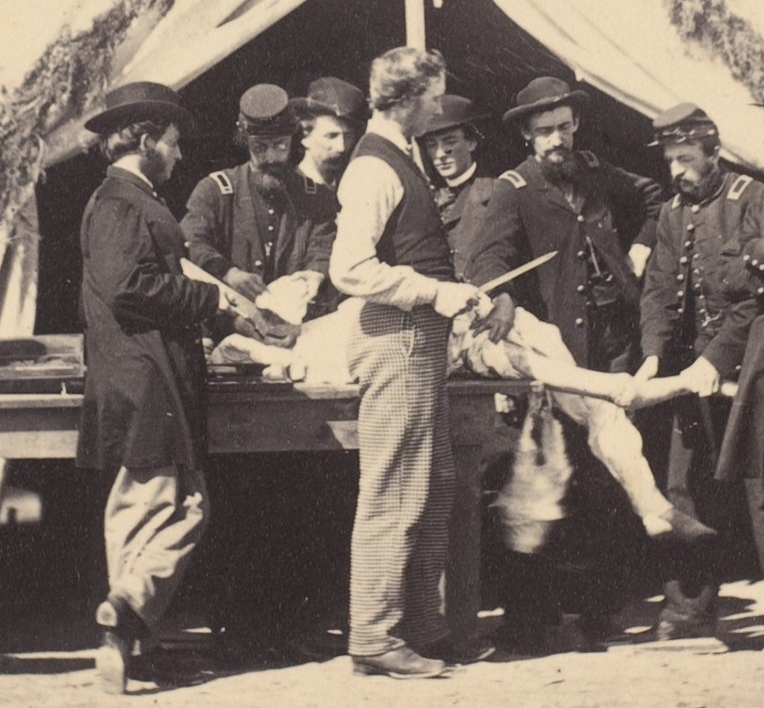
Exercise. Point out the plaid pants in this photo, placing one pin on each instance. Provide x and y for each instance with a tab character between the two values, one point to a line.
400	536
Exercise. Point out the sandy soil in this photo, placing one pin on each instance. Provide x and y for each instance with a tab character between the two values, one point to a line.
702	673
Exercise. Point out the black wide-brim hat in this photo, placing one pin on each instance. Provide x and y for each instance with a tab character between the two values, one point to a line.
544	94
139	101
457	111
330	96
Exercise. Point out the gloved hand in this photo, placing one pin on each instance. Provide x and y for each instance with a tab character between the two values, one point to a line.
453	298
499	320
250	285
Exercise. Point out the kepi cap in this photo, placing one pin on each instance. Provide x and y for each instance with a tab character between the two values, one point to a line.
265	110
682	123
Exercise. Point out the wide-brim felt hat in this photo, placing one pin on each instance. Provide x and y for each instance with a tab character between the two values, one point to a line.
457	110
140	101
265	110
544	94
330	96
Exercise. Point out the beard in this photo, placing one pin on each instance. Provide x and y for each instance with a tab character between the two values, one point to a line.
155	167
568	169
269	178
705	187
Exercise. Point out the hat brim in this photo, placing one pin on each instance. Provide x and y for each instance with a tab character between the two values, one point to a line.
577	98
455	123
309	107
120	116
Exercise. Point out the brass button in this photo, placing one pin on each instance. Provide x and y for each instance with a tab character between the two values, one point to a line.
580	288
683	260
680	310
691	227
688	244
695	208
746	258
680	278
580	321
680	293
580	219
754	262
581	255
270	211
258	264
760	291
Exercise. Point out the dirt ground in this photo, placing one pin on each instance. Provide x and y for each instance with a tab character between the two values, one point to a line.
701	673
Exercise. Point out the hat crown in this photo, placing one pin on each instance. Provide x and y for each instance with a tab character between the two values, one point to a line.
263	102
138	92
683	122
682	113
329	93
544	88
455	111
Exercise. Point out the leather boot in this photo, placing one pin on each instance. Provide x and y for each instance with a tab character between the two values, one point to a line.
685	617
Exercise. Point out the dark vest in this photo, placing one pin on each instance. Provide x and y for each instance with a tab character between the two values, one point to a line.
414	233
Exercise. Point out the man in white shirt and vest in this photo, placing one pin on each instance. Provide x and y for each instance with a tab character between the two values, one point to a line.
391	251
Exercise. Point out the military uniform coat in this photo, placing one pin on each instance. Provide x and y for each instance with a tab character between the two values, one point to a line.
528	216
686	310
462	217
144	389
229	224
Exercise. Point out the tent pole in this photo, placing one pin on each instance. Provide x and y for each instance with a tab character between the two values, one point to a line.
415	23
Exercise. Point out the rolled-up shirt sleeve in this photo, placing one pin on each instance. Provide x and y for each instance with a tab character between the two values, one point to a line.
369	194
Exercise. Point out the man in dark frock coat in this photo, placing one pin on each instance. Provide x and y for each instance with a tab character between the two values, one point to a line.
143	415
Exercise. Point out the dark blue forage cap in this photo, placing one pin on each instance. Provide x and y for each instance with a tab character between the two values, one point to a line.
682	123
265	110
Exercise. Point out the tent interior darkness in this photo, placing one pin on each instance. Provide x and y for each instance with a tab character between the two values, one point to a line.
489	59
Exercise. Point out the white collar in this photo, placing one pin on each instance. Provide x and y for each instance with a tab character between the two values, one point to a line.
463	177
129	163
380	125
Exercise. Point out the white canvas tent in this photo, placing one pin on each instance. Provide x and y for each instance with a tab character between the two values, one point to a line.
58	59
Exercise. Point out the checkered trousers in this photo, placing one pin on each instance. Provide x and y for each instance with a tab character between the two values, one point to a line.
400	537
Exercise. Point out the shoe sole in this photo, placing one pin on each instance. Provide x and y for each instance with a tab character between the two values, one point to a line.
373	671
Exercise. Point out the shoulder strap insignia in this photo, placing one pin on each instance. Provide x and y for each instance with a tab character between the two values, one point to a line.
514	178
223	181
310	185
738	187
676	202
590	158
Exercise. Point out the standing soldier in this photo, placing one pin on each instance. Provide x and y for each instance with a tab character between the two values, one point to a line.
261	220
589	211
143	414
392	252
690	325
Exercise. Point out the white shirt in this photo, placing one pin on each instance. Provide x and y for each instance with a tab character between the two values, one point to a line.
369	192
